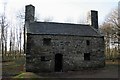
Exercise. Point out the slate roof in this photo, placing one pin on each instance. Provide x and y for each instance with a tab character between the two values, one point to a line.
62	29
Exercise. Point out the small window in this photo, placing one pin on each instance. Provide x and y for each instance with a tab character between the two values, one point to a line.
42	58
86	56
88	42
46	41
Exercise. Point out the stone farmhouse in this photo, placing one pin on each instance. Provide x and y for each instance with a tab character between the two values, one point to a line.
56	47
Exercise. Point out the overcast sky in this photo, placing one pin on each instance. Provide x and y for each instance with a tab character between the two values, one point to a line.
61	10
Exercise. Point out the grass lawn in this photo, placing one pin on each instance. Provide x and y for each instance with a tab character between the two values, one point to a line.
16	69
13	68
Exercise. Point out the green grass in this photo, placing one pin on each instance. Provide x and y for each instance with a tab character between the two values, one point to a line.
13	68
16	69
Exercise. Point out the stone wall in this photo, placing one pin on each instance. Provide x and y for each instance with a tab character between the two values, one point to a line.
71	47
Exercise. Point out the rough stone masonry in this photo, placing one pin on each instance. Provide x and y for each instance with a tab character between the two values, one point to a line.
56	47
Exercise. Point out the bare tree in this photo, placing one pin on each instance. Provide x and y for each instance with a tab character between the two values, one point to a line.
111	28
4	26
20	16
112	18
106	29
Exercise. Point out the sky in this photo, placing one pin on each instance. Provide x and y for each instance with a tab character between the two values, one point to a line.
74	11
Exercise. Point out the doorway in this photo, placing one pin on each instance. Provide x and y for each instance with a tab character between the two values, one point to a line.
58	62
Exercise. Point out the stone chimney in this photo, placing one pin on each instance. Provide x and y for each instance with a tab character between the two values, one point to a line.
29	13
29	18
94	19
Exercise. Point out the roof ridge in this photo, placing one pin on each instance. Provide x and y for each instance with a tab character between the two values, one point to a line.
63	23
